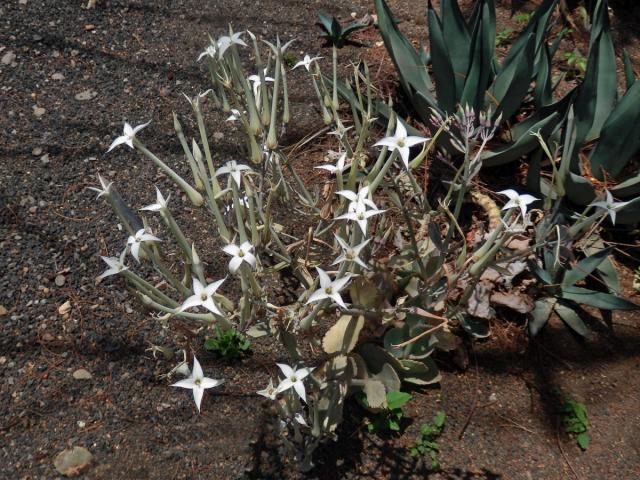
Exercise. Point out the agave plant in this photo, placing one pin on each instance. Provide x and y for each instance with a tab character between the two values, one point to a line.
600	134
465	52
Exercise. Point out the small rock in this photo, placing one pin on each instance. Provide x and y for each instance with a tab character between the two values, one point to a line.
45	158
22	2
86	95
82	374
38	111
3	311
64	308
89	26
71	462
47	337
36	151
57	76
218	135
8	58
59	280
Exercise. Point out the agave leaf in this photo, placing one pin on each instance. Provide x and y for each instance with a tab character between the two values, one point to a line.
584	268
540	314
628	188
482	55
569	316
619	139
605	301
579	190
606	269
512	83
442	67
458	42
542	92
523	145
597	94
326	22
630	214
629	76
538	27
413	75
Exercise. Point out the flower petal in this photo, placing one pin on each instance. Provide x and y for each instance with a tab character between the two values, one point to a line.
299	388
234	264
325	281
286	370
197	396
210	382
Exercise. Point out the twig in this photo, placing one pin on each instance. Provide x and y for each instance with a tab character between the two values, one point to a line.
516	424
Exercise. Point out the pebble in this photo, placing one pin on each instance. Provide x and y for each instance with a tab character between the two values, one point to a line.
36	151
82	374
72	462
85	95
38	111
3	311
59	280
57	76
8	58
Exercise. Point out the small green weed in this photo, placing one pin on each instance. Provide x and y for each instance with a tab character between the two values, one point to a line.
289	59
425	444
574	420
389	419
577	62
229	344
522	17
503	37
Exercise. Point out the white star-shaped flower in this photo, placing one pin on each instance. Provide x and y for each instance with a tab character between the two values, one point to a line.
234	169
197	382
240	254
357	199
609	205
360	214
128	135
306	62
225	42
293	378
269	392
210	51
517	200
329	289
256	82
401	142
195	101
116	265
134	242
106	187
350	254
338	167
160	202
203	296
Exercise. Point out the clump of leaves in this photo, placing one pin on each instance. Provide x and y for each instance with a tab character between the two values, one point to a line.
389	419
229	344
289	59
336	34
574	420
576	62
425	444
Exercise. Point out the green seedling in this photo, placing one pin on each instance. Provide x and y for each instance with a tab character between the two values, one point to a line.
503	37
522	17
574	420
389	419
425	444
577	62
229	344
